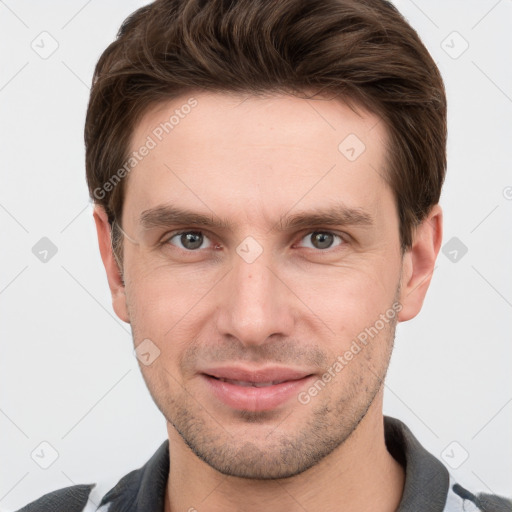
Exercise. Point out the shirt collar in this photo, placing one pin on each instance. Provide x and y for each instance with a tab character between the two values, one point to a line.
426	479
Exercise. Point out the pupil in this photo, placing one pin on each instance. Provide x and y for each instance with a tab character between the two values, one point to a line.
322	240
191	240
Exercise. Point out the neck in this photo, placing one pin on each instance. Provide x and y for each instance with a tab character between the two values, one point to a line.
359	475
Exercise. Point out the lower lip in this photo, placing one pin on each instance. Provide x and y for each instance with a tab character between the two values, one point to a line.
250	398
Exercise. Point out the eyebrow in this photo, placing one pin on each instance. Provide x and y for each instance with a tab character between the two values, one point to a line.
339	215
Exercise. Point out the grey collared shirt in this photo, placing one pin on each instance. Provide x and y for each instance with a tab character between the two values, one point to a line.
428	485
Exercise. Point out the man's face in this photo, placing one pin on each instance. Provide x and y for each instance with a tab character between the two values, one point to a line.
303	256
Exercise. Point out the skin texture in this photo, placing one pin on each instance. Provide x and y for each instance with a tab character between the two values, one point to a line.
253	161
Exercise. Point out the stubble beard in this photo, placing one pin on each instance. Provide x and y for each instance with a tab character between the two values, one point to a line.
278	452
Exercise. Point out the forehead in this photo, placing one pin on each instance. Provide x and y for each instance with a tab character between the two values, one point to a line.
259	153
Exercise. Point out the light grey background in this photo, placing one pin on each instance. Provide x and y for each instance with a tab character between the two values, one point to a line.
68	374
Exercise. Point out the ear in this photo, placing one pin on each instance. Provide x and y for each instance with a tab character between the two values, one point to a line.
115	280
418	263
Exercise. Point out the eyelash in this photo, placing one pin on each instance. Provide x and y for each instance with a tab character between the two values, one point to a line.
344	238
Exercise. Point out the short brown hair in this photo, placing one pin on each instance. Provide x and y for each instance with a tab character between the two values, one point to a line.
362	51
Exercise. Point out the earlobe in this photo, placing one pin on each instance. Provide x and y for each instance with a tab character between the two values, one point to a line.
419	262
114	276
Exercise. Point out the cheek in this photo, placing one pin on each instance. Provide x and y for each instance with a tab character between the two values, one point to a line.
346	298
168	291
168	307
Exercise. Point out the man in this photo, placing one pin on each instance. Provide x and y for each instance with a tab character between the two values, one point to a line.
266	178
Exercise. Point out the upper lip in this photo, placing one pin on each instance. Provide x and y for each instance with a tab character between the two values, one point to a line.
268	374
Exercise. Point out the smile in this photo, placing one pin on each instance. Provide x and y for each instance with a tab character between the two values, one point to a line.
253	384
254	389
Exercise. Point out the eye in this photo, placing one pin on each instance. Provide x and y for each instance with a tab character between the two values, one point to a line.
322	240
188	240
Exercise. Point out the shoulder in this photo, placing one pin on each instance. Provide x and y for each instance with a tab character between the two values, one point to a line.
460	499
68	499
428	483
139	490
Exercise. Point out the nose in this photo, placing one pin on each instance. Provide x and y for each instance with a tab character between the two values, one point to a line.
255	304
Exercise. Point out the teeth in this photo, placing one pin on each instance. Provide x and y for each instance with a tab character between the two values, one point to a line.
252	384
264	384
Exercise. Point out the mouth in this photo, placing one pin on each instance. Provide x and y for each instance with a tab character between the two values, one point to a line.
254	389
249	384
